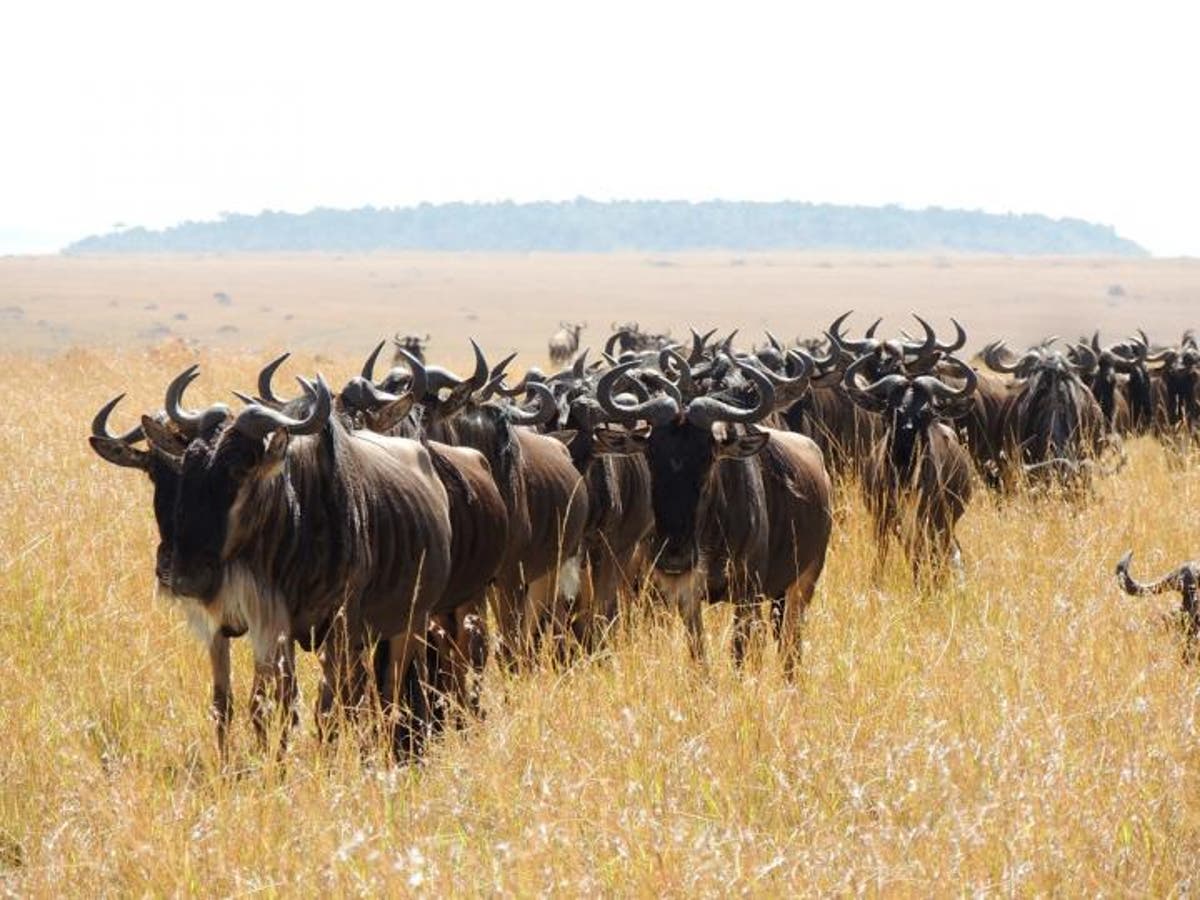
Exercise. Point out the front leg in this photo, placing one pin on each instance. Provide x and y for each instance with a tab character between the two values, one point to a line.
277	669
222	691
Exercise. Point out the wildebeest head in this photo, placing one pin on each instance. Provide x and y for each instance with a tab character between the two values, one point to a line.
166	436
682	445
412	344
213	472
1179	369
1101	368
1185	579
910	405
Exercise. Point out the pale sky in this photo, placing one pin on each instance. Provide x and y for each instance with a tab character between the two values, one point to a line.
152	113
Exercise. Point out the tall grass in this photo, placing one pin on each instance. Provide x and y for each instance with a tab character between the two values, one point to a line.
1030	731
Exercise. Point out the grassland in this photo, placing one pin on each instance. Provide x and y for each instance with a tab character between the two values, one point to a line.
1032	731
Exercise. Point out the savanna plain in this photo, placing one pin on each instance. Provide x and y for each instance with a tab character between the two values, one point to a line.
1030	730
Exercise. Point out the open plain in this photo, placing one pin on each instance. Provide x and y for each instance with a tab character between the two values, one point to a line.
1030	731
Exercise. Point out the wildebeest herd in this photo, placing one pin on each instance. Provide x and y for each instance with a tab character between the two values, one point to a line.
380	524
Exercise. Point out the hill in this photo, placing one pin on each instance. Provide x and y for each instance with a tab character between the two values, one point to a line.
584	225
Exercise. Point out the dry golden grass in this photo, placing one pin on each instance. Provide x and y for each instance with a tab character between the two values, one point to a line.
1031	732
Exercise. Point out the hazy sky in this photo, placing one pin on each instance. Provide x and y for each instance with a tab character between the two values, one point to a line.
151	113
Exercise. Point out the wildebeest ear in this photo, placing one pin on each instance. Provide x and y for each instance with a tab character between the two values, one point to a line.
742	446
386	418
566	435
621	443
456	400
274	453
162	437
119	453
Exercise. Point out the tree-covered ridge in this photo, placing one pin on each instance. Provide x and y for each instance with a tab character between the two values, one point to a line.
652	225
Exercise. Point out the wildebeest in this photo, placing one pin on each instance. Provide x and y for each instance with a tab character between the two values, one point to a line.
479	529
917	480
564	343
1186	580
1176	388
619	513
1052	428
160	461
546	499
739	512
299	530
412	344
1106	374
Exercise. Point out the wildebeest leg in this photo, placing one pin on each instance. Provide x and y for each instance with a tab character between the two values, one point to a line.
274	669
689	603
508	606
343	673
471	650
601	612
745	614
222	690
443	663
408	720
778	605
883	540
799	596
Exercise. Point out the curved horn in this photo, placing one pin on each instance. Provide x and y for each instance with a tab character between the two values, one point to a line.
661	382
100	425
930	344
960	338
368	369
993	360
1087	359
674	366
191	422
579	370
256	421
1136	589
942	391
612	340
265	376
480	376
789	390
703	412
774	341
419	386
848	345
545	412
872	397
361	394
656	410
699	342
1096	342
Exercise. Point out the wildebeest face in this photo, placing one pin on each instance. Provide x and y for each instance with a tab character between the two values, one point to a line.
911	415
212	476
681	457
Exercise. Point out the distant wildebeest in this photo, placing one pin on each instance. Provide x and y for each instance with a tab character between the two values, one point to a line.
740	513
412	344
564	343
917	480
1186	580
298	530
